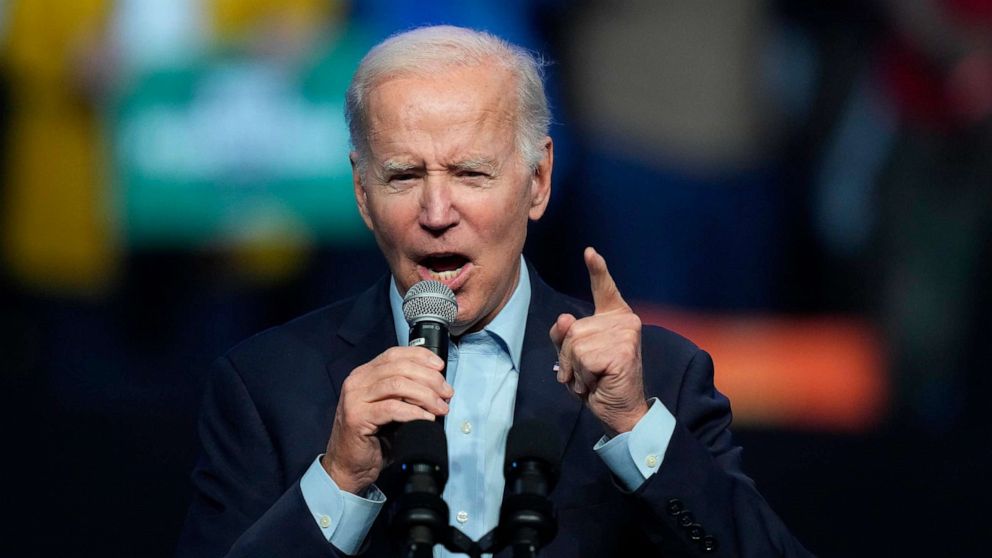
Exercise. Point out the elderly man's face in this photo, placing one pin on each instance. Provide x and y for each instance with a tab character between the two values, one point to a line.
445	191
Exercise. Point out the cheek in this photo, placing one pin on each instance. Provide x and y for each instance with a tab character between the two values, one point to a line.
389	223
509	220
502	209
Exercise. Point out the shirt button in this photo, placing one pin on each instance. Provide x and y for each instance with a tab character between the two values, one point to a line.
466	427
461	516
325	521
651	461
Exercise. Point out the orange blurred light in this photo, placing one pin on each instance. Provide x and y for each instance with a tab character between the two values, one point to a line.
822	373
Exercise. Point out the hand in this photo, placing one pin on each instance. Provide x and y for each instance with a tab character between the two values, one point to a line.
400	385
599	356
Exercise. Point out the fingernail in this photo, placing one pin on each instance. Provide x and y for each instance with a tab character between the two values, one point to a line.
436	360
442	405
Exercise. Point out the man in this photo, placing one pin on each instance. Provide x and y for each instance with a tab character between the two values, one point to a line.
451	160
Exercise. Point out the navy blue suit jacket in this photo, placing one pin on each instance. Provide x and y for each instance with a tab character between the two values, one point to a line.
269	406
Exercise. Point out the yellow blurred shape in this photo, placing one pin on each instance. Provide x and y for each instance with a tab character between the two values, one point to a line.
234	19
58	234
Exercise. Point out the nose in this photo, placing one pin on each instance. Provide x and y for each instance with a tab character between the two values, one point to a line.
437	212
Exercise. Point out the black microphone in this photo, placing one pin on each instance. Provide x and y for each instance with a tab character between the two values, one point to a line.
528	517
430	307
421	452
420	448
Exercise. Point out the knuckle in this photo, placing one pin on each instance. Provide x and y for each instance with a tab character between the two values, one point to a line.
395	384
394	408
349	416
579	328
437	382
580	351
422	352
348	385
634	321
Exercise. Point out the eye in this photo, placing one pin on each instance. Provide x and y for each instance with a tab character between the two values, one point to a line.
472	174
402	179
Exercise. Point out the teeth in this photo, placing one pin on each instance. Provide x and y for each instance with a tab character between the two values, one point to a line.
445	275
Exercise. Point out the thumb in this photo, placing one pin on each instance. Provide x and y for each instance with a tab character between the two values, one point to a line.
605	294
560	328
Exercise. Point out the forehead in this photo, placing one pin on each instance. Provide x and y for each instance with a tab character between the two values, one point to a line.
448	104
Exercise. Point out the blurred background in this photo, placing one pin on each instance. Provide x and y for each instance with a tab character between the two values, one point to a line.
802	187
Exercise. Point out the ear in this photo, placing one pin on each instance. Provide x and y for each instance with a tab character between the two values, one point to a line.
361	197
540	181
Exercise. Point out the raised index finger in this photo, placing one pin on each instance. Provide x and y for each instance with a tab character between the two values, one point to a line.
605	295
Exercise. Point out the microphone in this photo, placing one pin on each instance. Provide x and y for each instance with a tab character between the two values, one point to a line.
430	307
421	520
527	517
419	447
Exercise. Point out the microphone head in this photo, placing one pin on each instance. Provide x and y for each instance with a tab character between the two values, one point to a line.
534	440
430	300
423	442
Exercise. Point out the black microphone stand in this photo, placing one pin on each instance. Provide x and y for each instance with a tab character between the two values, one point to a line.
422	516
496	540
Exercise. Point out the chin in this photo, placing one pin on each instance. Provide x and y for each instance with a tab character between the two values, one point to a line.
464	322
461	325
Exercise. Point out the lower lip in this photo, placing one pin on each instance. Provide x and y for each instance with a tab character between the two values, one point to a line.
454	283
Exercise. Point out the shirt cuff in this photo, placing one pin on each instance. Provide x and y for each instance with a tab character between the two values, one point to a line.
343	518
636	455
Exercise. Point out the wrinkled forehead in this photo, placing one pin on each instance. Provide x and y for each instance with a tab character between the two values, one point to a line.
457	105
458	87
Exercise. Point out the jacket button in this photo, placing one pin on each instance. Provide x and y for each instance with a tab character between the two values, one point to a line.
695	531
708	543
686	518
675	506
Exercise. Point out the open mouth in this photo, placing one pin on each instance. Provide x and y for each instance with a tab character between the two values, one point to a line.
447	268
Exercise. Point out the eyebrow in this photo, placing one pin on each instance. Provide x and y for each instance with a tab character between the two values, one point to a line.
482	164
485	165
396	167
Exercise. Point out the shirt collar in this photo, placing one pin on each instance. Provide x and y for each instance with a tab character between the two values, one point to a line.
507	326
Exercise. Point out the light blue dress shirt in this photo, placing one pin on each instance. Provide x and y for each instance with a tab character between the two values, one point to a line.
483	368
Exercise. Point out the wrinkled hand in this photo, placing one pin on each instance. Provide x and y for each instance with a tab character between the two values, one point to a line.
400	385
599	356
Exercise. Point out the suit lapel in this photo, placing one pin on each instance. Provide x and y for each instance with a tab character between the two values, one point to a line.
539	395
366	332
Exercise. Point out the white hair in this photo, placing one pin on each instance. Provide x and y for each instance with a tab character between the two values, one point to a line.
426	50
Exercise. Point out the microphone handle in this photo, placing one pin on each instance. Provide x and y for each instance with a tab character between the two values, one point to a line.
432	336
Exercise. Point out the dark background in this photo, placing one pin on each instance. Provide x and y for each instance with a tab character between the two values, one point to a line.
790	158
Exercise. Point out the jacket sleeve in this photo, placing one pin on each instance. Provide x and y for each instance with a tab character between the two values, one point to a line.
700	502
240	507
